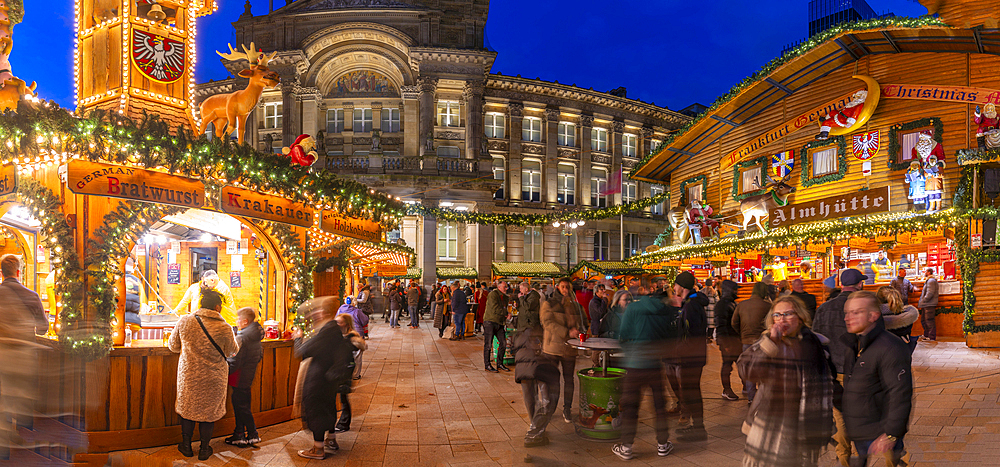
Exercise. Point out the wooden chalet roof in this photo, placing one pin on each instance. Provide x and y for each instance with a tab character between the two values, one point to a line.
843	49
456	273
525	269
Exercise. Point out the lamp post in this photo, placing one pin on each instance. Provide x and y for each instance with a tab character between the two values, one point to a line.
568	229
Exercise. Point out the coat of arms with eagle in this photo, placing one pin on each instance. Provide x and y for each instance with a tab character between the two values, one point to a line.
157	57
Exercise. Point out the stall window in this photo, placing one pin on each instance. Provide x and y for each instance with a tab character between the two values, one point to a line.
908	140
533	244
499	243
566	190
602	245
750	179
632	241
335	120
656	209
567	134
390	120
449	113
362	120
629	145
599	139
531	181
824	161
272	115
495	128
448	240
598	188
694	192
531	129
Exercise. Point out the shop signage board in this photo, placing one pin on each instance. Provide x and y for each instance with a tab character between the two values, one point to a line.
932	92
174	273
354	228
119	181
748	255
8	179
390	270
235	280
977	240
240	202
853	204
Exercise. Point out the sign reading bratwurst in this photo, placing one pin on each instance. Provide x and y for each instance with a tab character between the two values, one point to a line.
853	204
240	202
349	227
119	181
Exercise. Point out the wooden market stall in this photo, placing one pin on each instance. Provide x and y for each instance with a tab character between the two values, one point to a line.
518	271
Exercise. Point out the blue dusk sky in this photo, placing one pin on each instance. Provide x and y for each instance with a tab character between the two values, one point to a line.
669	52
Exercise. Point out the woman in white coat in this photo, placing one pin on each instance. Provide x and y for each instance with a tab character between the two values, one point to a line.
204	341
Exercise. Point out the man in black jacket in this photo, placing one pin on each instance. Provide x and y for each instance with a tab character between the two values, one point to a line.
691	354
807	298
878	381
537	375
242	370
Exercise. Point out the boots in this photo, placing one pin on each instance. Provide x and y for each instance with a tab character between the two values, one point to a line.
185	446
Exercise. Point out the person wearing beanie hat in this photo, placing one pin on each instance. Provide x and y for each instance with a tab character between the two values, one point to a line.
692	355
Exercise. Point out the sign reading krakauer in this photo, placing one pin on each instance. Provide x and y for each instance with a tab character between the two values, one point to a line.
853	204
8	179
390	270
240	202
349	227
119	181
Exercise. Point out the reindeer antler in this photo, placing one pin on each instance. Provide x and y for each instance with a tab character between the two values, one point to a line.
234	55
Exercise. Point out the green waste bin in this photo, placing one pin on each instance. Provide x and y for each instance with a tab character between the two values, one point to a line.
600	395
508	358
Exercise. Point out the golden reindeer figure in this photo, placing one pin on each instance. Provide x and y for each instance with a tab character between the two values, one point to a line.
229	112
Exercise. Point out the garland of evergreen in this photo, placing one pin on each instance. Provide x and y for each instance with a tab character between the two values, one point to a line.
895	156
974	155
469	217
806	178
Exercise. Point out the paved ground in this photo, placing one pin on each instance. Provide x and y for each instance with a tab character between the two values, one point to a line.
427	401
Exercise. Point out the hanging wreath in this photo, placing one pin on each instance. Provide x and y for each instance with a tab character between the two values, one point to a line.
806	177
737	175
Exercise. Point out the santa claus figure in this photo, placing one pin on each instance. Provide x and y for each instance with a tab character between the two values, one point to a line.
302	151
926	147
843	118
987	134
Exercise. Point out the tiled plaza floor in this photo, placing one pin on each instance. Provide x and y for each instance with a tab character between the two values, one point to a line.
427	401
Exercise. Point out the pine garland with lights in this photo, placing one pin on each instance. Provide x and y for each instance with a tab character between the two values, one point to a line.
300	280
895	149
470	217
891	22
974	155
806	178
38	134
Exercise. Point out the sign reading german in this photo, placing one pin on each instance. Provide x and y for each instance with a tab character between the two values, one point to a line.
349	227
240	202
119	181
8	179
853	204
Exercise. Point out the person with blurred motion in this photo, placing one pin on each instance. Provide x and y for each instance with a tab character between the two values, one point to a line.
529	301
459	308
328	372
495	326
928	305
205	342
808	299
561	321
897	318
727	337
358	323
829	322
650	329
348	329
442	314
611	324
533	370
691	354
748	319
791	418
479	297
713	297
366	306
878	383
21	317
413	304
598	311
242	371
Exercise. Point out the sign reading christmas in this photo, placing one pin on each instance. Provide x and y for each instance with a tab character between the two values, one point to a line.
118	181
866	145
157	57
248	203
854	204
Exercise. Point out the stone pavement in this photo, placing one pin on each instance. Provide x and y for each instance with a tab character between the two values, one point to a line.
427	401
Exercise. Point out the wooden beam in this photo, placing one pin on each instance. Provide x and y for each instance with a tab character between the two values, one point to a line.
846	48
727	121
778	85
891	42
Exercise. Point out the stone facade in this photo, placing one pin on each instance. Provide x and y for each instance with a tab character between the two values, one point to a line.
414	76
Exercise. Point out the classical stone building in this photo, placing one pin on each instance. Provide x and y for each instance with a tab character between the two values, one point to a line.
401	98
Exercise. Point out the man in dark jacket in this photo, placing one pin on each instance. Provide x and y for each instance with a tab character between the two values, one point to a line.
928	305
243	369
878	381
727	337
459	308
413	304
692	353
598	308
529	305
748	320
537	374
807	298
21	317
494	325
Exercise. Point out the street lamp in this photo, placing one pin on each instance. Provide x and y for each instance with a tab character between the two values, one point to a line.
568	228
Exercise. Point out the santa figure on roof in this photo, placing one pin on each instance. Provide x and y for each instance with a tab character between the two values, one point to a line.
843	118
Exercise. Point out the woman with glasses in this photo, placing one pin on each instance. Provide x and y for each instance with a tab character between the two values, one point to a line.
612	321
791	418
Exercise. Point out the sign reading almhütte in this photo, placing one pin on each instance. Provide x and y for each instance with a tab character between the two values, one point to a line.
853	204
8	179
349	227
119	181
240	202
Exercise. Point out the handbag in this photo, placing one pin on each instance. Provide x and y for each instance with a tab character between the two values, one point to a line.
209	336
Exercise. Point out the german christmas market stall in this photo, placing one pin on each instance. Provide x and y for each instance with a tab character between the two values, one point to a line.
865	147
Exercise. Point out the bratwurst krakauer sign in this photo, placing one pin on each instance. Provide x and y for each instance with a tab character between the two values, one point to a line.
248	203
119	181
854	204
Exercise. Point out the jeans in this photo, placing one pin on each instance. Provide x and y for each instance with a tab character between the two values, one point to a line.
673	374
691	393
344	423
414	317
729	347
568	365
459	324
749	388
394	318
635	379
245	425
862	447
928	322
491	330
541	397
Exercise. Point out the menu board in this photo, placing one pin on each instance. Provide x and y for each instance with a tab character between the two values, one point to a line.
235	280
173	273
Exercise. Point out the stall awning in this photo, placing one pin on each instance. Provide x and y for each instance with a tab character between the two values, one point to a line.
411	273
457	273
610	268
534	269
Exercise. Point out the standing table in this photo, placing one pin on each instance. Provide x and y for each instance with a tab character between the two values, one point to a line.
600	392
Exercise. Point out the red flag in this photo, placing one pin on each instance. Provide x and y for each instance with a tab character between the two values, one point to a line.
614	185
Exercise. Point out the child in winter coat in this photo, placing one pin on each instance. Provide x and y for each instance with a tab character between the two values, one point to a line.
346	323
242	370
